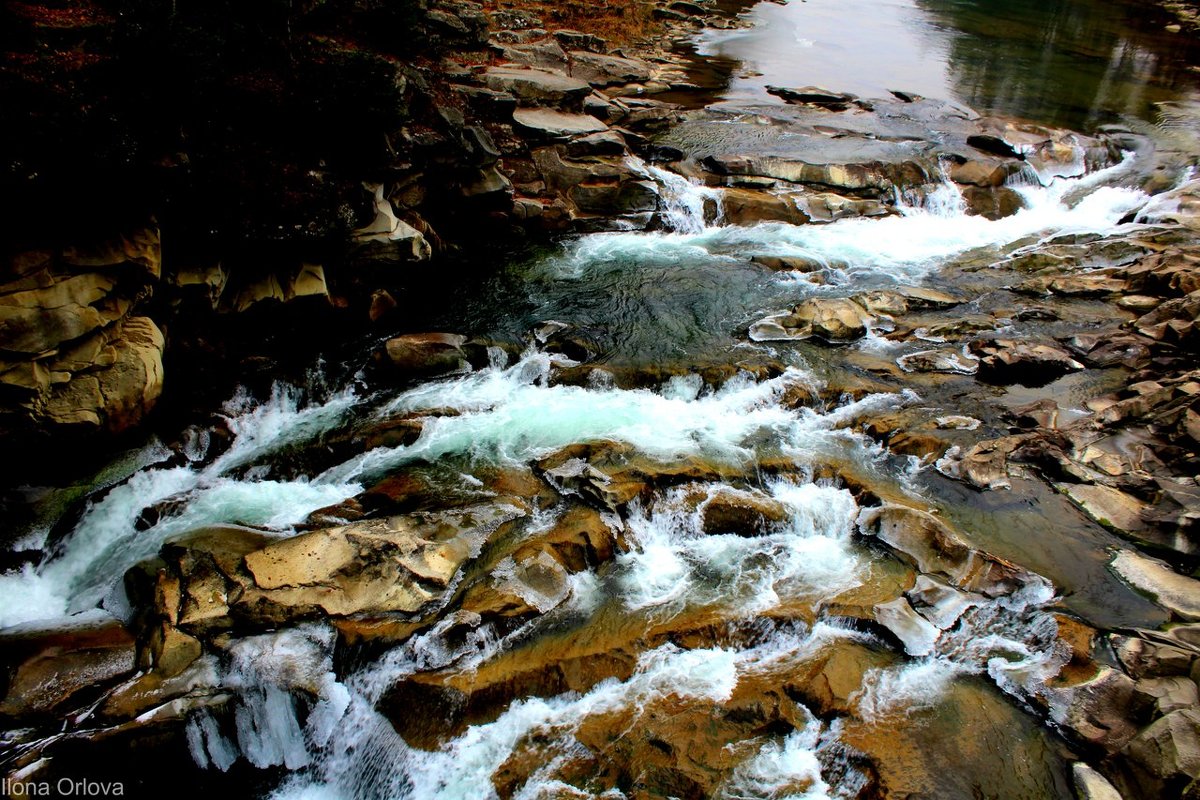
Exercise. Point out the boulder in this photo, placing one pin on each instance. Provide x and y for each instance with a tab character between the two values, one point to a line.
980	173
46	672
1008	361
1144	658
602	70
1167	753
387	239
814	96
922	540
1100	711
107	382
748	207
1110	507
537	86
1177	593
1169	694
831	683
425	354
942	605
746	513
534	583
602	143
992	202
940	360
376	566
836	319
547	123
993	145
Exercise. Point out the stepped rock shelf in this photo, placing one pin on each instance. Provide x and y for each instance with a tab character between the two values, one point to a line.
833	446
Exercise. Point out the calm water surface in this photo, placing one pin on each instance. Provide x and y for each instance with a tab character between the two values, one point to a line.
1076	63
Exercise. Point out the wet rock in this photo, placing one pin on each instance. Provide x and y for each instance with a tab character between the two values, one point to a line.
1100	711
941	360
993	145
1169	694
748	207
580	539
833	319
814	96
742	512
624	198
915	632
46	672
984	465
1091	785
1007	361
376	566
603	143
787	263
1143	658
1111	508
942	605
830	683
924	541
424	354
538	86
1167	753
1093	284
601	70
980	173
533	583
1172	321
1174	592
387	239
992	202
546	123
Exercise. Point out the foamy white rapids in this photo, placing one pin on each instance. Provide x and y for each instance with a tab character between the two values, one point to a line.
513	415
906	246
91	561
685	204
363	757
674	564
1010	639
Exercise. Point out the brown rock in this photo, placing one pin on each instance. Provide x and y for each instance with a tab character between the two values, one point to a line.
46	672
424	354
746	513
748	207
1168	752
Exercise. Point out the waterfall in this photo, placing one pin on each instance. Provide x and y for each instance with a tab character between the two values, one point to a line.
685	206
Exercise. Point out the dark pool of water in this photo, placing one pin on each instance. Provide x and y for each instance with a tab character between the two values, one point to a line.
1074	63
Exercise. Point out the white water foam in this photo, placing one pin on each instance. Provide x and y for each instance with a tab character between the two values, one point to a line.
512	415
674	565
90	562
905	247
356	753
1010	639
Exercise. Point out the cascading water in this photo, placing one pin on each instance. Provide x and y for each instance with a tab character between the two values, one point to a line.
336	742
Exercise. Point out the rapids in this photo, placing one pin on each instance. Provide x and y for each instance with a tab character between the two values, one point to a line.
332	740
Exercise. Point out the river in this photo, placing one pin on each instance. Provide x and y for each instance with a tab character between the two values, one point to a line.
686	633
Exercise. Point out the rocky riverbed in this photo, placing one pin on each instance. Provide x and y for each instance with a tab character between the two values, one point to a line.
836	446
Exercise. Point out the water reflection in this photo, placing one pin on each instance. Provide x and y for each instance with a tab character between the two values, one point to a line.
1076	63
867	47
1068	62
